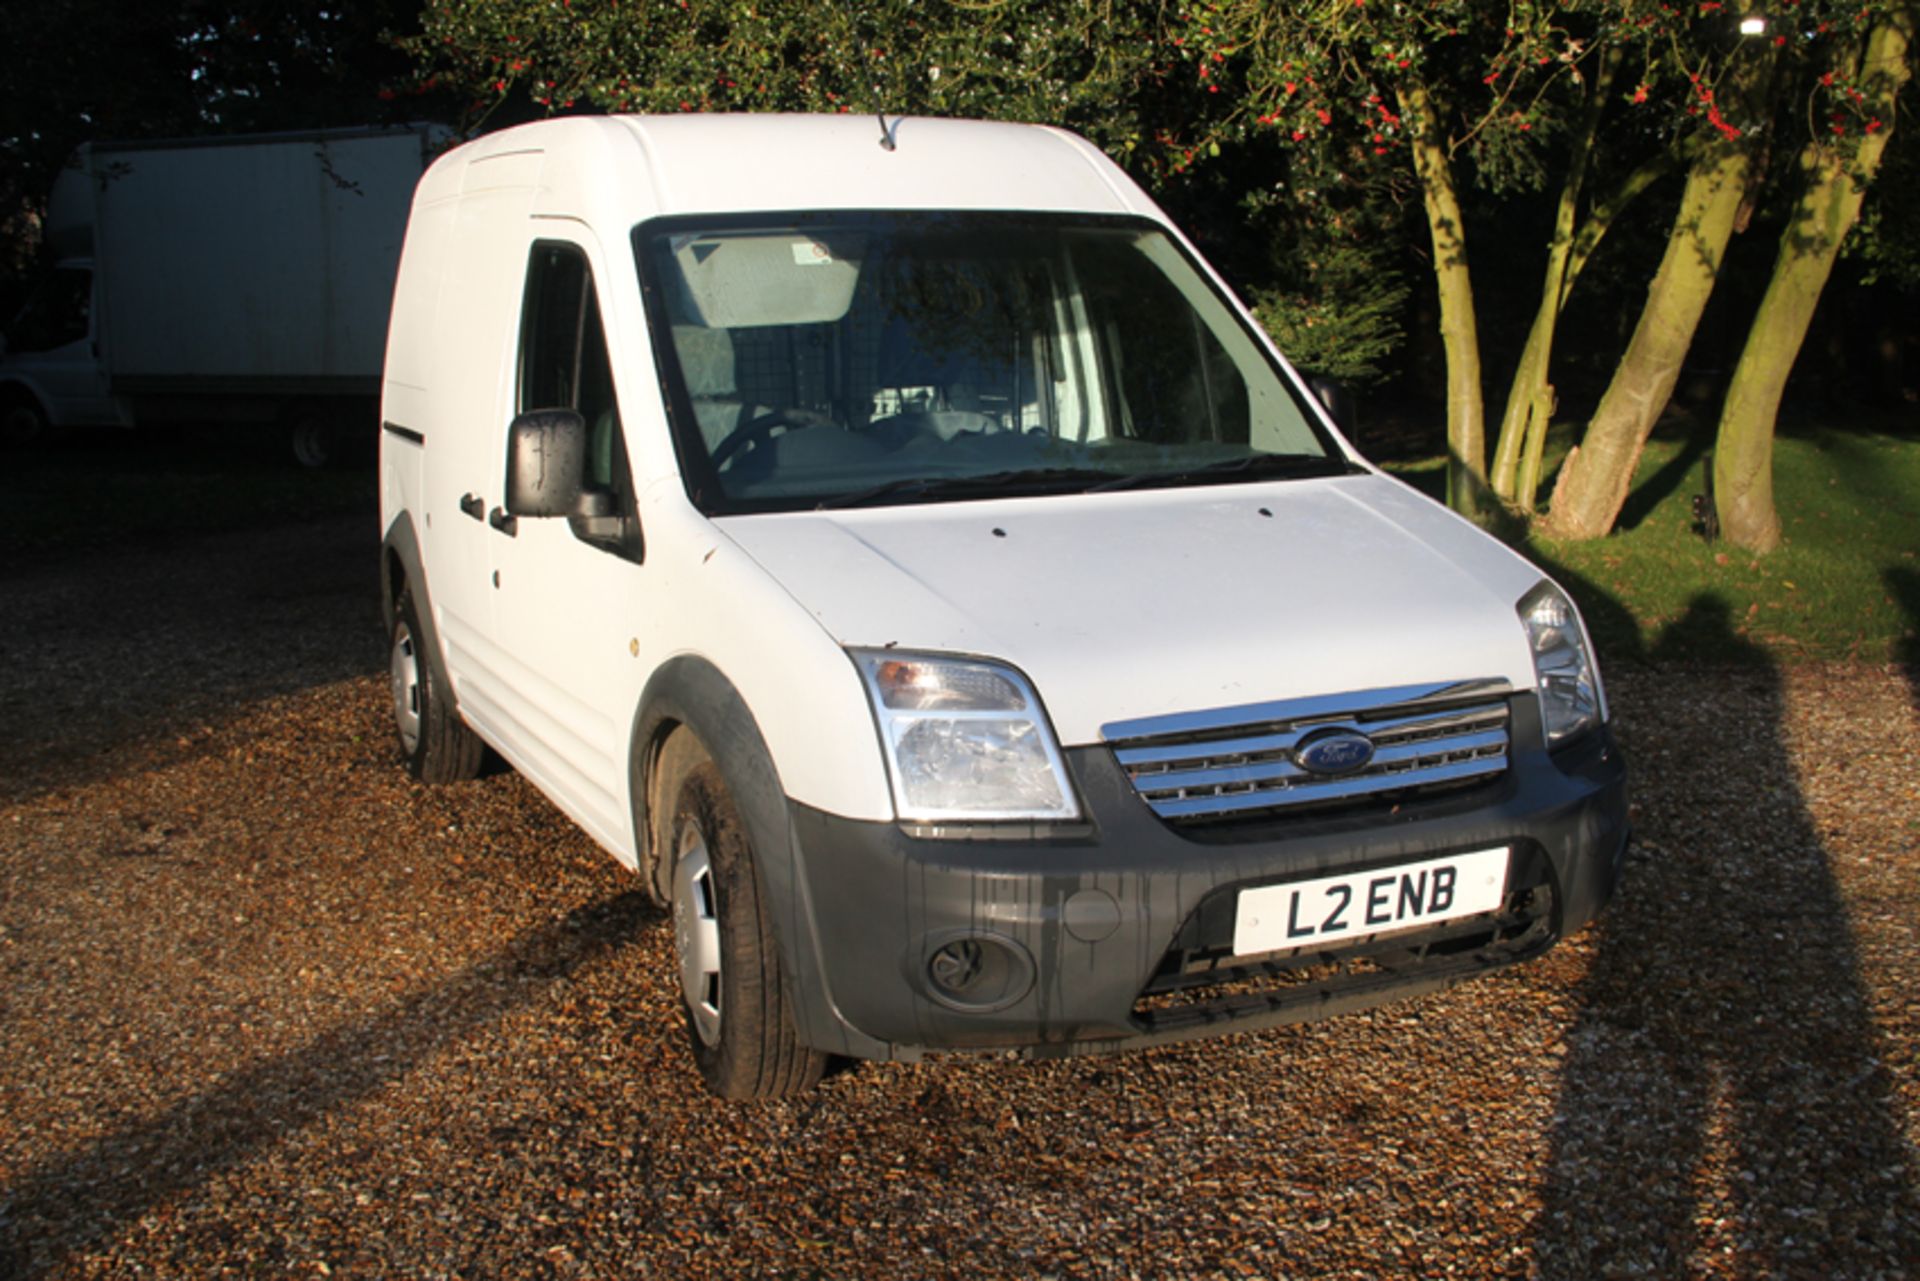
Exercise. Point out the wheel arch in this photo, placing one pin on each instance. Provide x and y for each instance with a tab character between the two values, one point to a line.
15	392
403	570
690	694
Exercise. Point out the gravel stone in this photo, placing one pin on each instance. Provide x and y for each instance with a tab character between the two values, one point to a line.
267	1007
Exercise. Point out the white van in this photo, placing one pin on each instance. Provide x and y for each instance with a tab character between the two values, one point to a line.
895	544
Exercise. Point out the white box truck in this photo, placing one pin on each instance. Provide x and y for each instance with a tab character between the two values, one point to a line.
240	279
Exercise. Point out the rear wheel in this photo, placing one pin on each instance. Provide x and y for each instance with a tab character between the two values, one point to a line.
438	746
739	1023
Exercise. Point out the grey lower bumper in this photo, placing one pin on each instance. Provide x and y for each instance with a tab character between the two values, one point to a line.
1114	934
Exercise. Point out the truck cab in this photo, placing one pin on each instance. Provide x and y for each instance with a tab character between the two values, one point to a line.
893	542
51	373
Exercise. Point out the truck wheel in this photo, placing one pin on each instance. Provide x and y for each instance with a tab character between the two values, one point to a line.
311	436
21	422
738	1021
438	746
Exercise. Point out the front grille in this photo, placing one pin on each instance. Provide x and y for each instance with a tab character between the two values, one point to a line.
1243	761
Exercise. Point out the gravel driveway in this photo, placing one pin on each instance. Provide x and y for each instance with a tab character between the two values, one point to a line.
267	1007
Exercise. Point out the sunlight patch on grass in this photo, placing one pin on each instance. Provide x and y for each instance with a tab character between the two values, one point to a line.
1845	584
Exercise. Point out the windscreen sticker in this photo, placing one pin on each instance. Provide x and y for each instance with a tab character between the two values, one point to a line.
811	253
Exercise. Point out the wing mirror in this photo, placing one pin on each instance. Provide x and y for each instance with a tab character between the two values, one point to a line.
546	476
546	463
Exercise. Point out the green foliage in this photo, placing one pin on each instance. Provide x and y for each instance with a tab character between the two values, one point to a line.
1342	316
1887	240
1115	72
1087	66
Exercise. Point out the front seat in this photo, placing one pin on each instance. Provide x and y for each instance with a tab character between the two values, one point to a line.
707	364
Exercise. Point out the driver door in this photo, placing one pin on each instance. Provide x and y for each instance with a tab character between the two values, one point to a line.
568	614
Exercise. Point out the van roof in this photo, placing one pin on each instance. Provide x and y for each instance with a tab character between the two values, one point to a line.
646	166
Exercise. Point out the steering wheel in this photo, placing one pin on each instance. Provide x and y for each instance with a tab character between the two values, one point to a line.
755	430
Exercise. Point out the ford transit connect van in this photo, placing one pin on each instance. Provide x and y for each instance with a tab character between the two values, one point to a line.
891	541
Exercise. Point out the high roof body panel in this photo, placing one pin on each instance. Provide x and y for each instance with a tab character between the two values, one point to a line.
637	167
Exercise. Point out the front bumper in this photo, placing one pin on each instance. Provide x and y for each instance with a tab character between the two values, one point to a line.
1115	934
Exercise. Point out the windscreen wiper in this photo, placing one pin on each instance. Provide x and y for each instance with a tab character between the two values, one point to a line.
998	484
1251	467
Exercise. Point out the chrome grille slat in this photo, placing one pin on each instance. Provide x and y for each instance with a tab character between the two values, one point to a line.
1284	740
1208	765
1333	790
1385	760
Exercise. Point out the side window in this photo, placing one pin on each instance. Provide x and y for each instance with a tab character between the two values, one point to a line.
56	314
563	357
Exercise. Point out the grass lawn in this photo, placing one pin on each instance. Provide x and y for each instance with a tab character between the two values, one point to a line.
1846	584
94	488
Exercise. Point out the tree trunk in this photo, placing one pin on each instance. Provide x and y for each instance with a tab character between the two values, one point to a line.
1594	482
1459	333
1836	183
1530	398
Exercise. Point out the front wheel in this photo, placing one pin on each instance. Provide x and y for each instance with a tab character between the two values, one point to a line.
438	746
738	1021
21	422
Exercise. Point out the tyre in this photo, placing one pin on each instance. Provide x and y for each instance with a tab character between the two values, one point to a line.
21	422
738	1021
311	437
438	746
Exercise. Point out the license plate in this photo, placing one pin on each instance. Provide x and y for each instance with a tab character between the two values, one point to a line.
1335	908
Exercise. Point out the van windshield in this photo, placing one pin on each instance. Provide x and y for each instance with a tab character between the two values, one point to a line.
850	359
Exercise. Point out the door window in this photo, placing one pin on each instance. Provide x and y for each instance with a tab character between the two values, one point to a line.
57	313
563	358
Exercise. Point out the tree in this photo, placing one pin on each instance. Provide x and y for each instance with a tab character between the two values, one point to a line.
1837	169
1342	88
1760	85
1501	98
1594	480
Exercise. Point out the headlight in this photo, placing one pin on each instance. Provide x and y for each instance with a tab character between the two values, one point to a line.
965	739
1571	699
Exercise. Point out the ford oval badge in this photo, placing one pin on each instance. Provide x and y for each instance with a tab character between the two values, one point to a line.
1336	751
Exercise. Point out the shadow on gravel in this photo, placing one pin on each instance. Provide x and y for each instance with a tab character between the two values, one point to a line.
68	1206
1723	1096
126	658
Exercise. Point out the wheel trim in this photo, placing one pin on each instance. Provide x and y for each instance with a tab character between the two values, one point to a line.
696	933
403	669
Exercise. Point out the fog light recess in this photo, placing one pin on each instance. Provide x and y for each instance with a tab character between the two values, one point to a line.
976	972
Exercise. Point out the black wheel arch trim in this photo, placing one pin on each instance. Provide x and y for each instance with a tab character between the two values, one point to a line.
402	544
690	691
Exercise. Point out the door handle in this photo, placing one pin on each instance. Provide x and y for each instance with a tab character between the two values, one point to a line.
508	525
474	506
